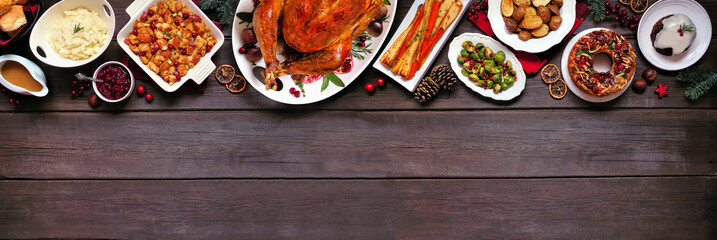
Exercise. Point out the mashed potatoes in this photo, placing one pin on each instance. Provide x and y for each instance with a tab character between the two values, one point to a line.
79	35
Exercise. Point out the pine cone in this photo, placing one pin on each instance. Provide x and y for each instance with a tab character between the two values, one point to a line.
426	90
444	76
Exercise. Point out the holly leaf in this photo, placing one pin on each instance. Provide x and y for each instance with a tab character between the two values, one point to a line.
386	2
245	16
335	79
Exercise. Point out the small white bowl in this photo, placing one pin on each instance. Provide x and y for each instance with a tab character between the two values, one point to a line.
41	31
131	82
534	45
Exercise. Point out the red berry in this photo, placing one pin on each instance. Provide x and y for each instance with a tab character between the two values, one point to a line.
635	18
141	90
154	39
185	15
292	90
242	50
617	6
184	51
607	4
617	18
194	35
171	47
176	22
175	63
370	88
297	94
623	12
209	48
17	102
148	97
380	82
134	31
150	12
362	38
152	26
11	101
632	26
361	44
142	54
607	12
475	4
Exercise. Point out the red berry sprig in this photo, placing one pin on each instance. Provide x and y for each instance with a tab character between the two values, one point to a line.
621	16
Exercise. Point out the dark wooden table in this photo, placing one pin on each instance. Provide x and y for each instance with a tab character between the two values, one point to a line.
240	166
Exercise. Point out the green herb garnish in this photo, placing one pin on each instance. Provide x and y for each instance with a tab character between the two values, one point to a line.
360	52
597	9
223	8
77	28
687	27
331	77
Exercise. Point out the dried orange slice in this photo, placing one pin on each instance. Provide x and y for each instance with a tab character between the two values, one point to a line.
237	84
550	73
225	73
639	6
558	89
626	2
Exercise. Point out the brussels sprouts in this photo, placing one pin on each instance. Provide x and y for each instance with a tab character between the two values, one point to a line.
475	56
496	88
499	57
461	60
464	53
468	45
464	72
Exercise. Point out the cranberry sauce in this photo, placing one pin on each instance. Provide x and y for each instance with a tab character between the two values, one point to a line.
116	82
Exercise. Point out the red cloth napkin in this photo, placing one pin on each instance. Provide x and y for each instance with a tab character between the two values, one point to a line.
532	63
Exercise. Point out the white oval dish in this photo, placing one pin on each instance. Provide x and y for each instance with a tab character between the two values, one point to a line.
534	45
660	9
454	50
41	31
313	90
131	84
569	81
199	72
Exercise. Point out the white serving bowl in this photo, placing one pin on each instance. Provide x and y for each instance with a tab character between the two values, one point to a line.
41	32
131	84
199	72
534	45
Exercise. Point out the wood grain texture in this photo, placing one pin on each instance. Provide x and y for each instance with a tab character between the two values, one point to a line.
612	208
393	97
276	144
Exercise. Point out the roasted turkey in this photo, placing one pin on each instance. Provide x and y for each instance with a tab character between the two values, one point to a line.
313	36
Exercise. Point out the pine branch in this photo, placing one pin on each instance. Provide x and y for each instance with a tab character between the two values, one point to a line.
597	9
224	9
700	79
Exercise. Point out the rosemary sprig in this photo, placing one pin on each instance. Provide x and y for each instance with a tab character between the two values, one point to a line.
687	27
361	52
77	28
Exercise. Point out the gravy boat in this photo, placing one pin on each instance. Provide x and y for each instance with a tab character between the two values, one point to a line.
31	67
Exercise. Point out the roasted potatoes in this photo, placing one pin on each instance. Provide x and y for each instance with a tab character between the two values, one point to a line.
540	31
538	3
554	9
511	24
506	8
530	11
518	14
531	22
525	35
555	22
531	18
544	13
522	3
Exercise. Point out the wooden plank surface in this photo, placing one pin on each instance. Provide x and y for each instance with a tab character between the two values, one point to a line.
572	208
274	144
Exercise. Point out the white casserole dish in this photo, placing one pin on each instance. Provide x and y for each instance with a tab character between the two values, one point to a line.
199	72
41	31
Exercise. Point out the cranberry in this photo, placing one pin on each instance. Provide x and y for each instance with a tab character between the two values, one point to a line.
11	101
153	51
632	26
292	91
185	15
362	38
194	35
141	90
635	18
361	44
152	26
583	60
176	22
17	102
614	10
607	4
617	6
73	93
617	18
242	50
134	31
154	39
142	54
150	12
209	48
620	67
297	94
618	47
144	16
623	13
380	82
370	88
607	12
475	4
622	21
148	97
171	47
184	51
175	63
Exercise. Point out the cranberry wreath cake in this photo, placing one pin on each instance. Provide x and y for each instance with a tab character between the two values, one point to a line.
580	62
